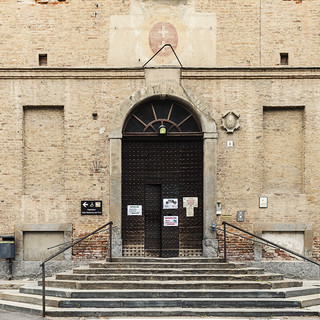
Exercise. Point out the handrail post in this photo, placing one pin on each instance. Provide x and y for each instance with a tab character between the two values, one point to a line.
63	250
225	242
110	242
266	242
43	290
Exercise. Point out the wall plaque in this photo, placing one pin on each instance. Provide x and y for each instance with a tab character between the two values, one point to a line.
230	121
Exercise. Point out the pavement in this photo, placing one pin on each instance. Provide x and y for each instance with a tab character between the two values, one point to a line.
4	315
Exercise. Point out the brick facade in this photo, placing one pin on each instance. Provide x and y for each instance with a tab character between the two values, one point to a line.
56	120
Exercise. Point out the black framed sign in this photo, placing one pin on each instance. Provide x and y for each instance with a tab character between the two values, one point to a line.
91	207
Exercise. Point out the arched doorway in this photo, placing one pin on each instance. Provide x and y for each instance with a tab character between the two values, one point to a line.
162	181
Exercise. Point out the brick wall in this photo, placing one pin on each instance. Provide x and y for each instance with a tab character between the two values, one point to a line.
93	248
238	248
82	33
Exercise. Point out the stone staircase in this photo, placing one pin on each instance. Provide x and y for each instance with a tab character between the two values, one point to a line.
166	287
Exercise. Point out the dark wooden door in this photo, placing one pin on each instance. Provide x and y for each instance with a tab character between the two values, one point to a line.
153	219
151	172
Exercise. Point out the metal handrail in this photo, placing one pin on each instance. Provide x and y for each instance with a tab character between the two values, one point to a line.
267	242
63	250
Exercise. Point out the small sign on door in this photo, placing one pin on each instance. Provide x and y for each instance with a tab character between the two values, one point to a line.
171	203
190	203
134	210
170	221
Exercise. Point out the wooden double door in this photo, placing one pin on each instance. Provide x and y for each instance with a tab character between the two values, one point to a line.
158	177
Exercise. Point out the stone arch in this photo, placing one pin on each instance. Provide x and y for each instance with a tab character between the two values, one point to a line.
210	135
163	91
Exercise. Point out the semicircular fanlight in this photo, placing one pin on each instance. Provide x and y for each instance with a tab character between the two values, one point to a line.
148	117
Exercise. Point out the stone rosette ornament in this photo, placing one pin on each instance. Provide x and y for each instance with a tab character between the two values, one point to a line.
230	121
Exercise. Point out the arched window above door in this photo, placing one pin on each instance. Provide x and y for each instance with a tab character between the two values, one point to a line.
147	119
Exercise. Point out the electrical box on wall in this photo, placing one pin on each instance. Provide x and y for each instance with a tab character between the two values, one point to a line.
240	216
218	209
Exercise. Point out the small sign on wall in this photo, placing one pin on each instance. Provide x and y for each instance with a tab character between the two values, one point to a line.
263	202
171	203
134	210
91	207
170	221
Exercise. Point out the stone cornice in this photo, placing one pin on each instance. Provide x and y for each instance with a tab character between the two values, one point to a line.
72	73
251	73
241	73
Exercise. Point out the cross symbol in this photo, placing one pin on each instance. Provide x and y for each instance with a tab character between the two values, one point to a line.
163	31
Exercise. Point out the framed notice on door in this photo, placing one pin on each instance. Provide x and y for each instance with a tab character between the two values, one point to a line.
171	203
134	210
170	221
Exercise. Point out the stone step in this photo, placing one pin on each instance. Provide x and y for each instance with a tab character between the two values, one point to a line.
286	284
88	285
16	296
180	312
167	260
166	287
166	271
170	277
172	293
303	291
156	312
167	265
179	303
152	303
308	301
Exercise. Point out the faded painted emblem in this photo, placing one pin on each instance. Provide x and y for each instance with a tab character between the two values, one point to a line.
230	121
160	34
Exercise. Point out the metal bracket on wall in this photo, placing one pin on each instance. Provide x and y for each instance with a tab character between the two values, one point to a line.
166	45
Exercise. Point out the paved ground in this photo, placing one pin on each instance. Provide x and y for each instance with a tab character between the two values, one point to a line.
5	315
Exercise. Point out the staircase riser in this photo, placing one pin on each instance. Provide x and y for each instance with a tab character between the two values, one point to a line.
167	278
288	284
166	260
178	304
166	265
165	271
137	285
181	313
310	303
302	292
156	294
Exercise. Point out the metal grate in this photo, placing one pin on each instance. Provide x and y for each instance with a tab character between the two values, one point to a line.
148	117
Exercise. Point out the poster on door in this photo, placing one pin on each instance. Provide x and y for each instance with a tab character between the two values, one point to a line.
190	203
170	221
134	210
171	203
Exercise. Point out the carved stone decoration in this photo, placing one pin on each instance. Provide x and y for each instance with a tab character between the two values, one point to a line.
230	121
